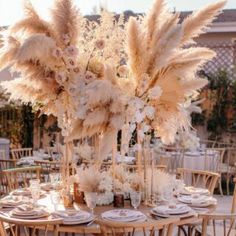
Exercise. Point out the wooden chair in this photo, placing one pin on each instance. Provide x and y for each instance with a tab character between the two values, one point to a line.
19	227
21	152
164	227
19	177
7	164
2	154
48	167
218	224
4	165
199	178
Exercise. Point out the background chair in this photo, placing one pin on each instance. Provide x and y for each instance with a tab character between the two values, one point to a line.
21	152
19	177
48	167
199	178
2	154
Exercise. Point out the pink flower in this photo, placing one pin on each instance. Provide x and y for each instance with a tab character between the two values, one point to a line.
66	38
70	63
89	77
57	52
100	44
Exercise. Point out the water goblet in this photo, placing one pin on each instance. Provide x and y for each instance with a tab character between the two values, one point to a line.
91	200
135	199
55	199
35	193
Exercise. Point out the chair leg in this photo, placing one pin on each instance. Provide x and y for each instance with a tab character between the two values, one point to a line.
227	184
220	187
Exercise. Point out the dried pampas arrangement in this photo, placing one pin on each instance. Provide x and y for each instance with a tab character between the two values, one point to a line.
75	69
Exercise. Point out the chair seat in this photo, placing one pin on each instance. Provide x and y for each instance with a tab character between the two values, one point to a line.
219	230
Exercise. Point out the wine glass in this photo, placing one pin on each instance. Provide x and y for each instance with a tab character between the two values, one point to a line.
91	200
135	199
55	199
35	193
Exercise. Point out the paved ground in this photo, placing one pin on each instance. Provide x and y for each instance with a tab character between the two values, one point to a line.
224	204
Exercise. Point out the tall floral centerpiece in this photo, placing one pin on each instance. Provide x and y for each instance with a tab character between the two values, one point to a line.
99	77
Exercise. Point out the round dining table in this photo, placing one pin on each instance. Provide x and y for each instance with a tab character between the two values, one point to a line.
92	227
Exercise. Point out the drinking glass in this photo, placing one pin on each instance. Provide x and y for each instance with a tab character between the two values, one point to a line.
35	193
135	199
55	199
34	182
91	200
55	179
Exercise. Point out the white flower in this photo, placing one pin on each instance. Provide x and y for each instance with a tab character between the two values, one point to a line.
89	77
132	127
60	77
149	111
70	63
155	92
139	116
71	51
141	134
146	128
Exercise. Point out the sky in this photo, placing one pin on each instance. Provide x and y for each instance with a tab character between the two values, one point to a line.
11	10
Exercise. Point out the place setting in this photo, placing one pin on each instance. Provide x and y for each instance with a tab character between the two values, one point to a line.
12	201
29	212
101	115
73	217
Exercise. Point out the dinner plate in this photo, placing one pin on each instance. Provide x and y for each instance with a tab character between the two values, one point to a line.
166	210
73	217
40	214
123	215
201	201
189	190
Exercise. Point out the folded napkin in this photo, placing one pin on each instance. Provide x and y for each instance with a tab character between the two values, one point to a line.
72	215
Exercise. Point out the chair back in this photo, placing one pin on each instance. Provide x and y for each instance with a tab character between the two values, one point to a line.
7	164
164	227
48	227
20	177
21	152
48	167
211	223
233	209
2	154
199	178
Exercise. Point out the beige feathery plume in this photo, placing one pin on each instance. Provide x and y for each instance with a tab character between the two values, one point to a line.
169	30
107	141
152	22
135	49
42	46
32	23
8	52
66	20
97	116
196	23
193	85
